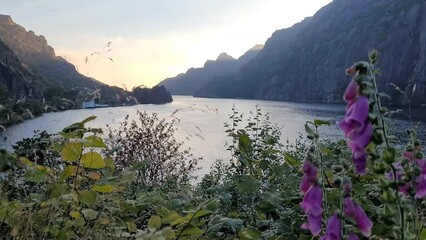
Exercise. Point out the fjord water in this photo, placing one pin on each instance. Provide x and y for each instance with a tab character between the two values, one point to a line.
201	122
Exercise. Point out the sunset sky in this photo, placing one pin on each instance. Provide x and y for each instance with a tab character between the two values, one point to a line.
154	39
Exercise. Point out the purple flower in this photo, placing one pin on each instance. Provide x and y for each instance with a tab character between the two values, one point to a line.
353	210
309	176
399	176
356	126
421	179
333	229
312	206
353	236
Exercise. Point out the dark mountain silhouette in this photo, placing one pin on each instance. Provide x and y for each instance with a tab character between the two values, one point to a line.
194	78
306	62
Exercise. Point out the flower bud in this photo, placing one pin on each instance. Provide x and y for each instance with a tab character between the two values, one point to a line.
419	155
379	167
389	196
388	211
337	168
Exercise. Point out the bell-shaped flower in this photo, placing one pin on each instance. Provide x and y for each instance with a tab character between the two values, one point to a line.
356	126
353	236
353	210
400	173
421	179
312	207
309	178
333	229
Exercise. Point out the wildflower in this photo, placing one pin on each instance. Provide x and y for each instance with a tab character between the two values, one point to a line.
312	206
333	229
353	236
309	176
353	210
356	125
399	170
421	179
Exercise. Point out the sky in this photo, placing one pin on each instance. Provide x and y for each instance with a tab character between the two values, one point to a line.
153	39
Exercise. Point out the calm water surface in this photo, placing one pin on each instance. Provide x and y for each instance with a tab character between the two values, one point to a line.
201	124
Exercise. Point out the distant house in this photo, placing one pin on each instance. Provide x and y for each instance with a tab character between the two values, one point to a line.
92	104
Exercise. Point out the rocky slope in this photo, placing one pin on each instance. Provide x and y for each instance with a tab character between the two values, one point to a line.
34	51
16	81
189	82
306	62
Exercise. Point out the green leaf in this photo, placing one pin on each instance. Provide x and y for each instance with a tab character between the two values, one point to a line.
88	119
212	205
92	160
202	213
89	214
389	155
94	141
127	177
154	222
69	171
192	230
62	235
244	144
319	122
264	164
247	184
290	159
87	197
359	189
249	234
103	188
71	151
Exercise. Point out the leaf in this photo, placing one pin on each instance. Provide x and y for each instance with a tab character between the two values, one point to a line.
127	177
90	214
154	222
103	188
290	159
71	151
88	119
389	155
62	235
69	171
75	214
131	226
247	184
87	197
94	175
319	122
92	160
249	234
244	144
191	230
94	141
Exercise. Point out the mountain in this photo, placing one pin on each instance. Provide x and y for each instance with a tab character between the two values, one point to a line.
306	62
33	80
34	51
194	78
16	81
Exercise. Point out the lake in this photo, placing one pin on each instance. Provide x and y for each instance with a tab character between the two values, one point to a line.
201	124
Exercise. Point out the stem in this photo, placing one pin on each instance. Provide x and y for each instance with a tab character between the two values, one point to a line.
189	222
378	105
323	175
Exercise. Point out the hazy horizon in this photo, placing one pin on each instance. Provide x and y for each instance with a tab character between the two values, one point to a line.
152	41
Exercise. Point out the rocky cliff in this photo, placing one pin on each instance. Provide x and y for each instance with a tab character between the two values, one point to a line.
16	81
306	62
189	82
34	51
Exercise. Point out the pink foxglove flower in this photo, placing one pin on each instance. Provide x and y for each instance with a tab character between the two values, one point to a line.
400	173
333	229
421	179
353	236
353	210
312	206
356	125
309	178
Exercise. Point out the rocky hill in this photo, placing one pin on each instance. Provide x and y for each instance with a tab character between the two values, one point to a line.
189	82
306	62
15	79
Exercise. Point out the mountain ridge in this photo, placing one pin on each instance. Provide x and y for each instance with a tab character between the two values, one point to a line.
189	82
306	62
